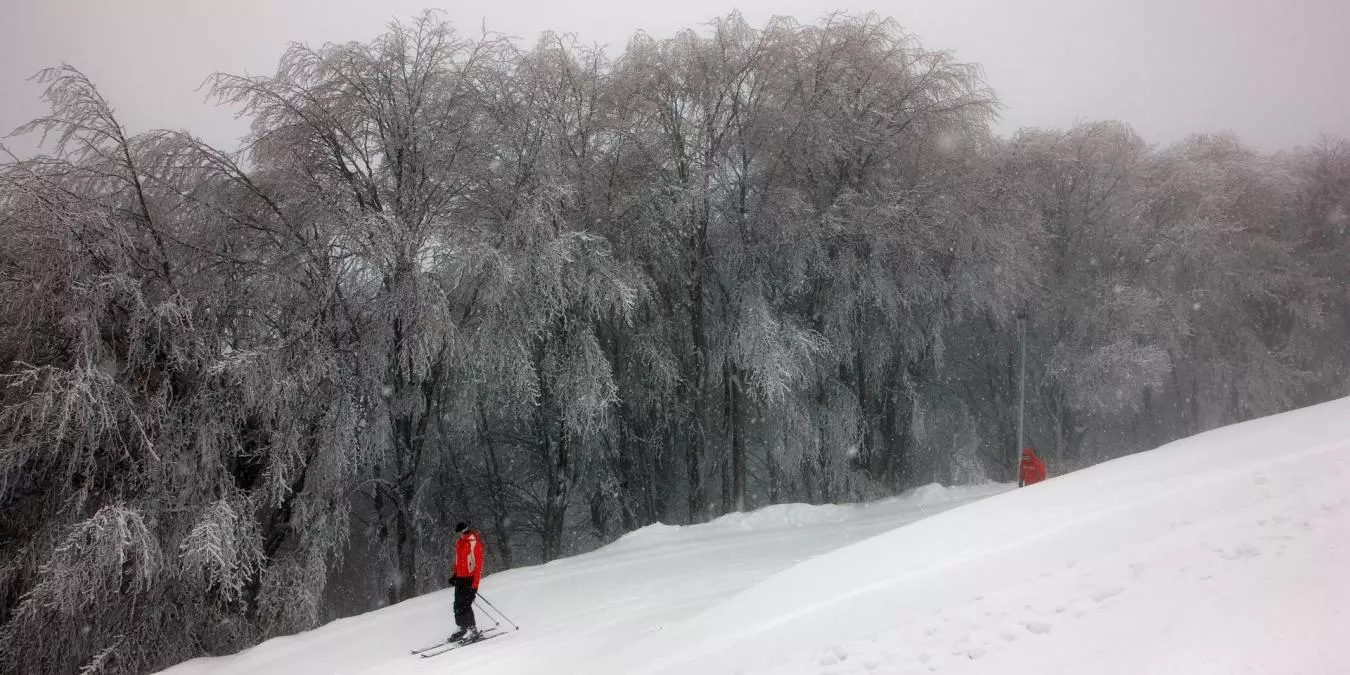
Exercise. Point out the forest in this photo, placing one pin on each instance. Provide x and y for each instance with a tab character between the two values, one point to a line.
563	294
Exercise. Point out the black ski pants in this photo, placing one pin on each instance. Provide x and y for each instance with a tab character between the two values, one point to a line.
464	596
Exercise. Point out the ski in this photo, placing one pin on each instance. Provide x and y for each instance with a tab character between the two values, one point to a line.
456	644
429	647
436	645
437	650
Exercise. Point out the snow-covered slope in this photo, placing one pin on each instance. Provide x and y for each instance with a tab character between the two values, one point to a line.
1223	553
575	610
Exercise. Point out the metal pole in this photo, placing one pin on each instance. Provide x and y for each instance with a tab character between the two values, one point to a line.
495	622
498	611
1021	392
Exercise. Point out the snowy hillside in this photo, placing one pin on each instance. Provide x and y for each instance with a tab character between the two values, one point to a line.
1222	553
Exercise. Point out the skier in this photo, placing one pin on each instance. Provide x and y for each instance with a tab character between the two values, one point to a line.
1033	469
468	569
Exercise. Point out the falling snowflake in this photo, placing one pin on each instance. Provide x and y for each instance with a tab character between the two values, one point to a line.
948	142
1337	216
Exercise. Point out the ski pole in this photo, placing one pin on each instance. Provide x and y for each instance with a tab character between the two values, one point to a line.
498	611
490	610
495	622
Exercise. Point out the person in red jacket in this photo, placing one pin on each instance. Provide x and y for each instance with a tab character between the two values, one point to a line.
1033	469
468	569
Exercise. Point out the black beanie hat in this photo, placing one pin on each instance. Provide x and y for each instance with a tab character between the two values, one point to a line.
460	527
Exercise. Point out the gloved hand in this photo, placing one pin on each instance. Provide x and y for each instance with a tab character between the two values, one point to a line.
457	581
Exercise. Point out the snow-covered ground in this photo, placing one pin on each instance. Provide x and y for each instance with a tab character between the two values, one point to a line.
1223	553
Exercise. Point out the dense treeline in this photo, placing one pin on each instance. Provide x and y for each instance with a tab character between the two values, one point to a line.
565	296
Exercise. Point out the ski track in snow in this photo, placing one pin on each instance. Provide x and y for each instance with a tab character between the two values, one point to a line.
1224	553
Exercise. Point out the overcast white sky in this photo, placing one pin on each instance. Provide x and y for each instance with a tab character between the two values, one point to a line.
1277	72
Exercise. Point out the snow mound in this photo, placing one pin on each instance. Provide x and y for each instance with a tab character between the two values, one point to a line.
798	515
786	515
932	493
802	515
650	534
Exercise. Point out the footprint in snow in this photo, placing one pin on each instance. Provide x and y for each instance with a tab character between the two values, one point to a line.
1037	627
1242	552
1106	593
969	651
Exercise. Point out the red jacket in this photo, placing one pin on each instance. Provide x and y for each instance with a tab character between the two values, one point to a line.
469	557
1033	469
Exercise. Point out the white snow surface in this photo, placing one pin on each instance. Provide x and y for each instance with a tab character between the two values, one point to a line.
1222	553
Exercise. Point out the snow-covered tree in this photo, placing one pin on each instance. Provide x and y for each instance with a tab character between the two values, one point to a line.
560	296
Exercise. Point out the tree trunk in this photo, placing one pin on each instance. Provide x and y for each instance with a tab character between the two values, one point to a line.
860	386
694	470
735	499
896	422
550	440
497	489
626	470
1071	438
599	512
660	472
697	432
406	584
407	448
555	499
698	244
